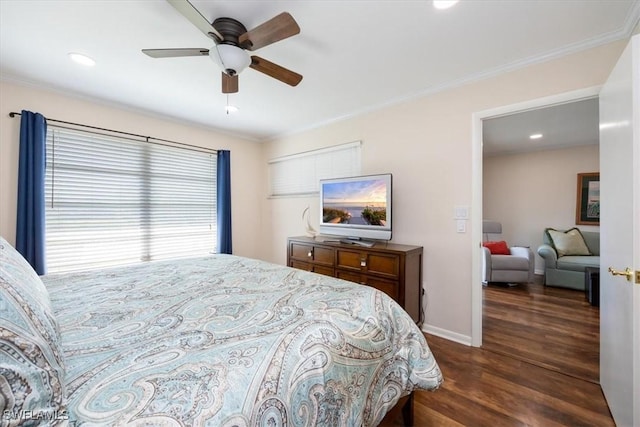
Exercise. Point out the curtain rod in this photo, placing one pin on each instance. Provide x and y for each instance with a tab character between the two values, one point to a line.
147	138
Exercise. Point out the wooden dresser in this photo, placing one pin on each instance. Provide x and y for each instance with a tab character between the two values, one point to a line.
394	269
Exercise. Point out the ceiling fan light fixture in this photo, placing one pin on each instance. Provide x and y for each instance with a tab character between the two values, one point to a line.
232	59
234	44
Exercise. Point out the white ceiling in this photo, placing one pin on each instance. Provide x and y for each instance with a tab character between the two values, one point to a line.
355	56
561	126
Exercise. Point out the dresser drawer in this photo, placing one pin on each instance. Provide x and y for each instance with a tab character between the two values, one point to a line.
311	253
307	266
389	287
386	265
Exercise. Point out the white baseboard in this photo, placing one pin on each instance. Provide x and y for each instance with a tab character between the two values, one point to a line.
446	334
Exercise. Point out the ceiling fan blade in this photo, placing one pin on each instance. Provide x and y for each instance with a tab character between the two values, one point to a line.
277	28
229	83
173	53
276	71
191	13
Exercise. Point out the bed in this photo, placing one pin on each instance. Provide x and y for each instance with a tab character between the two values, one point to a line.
214	341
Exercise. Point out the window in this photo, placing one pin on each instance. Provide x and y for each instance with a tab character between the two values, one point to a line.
299	174
113	201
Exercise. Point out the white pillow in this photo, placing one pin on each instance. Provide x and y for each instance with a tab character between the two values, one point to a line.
570	242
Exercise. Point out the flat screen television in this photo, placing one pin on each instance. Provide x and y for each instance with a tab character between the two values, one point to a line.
358	208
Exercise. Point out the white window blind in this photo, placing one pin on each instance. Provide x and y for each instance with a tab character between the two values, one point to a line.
113	201
299	174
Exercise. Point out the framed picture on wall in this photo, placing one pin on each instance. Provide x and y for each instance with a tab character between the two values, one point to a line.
588	199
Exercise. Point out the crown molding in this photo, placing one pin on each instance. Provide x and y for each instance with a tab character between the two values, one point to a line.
12	79
625	32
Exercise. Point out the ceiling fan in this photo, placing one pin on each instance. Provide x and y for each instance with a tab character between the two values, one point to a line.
232	41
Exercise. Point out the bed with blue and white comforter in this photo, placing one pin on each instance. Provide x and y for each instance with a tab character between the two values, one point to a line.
231	341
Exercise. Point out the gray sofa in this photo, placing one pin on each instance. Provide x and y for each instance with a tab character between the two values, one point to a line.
568	271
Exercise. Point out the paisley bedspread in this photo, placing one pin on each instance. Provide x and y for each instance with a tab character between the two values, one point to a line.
231	341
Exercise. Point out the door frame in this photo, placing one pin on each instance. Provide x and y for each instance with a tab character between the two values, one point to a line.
477	183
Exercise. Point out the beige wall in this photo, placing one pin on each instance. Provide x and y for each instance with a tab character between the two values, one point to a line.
426	144
245	155
531	191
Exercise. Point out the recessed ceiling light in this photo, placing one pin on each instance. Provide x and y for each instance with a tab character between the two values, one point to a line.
82	59
444	4
609	125
535	136
230	109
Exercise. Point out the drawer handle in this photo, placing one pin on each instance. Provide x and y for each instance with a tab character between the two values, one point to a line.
363	262
310	254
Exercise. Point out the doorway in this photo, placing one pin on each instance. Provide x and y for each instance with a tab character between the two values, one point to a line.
529	184
537	290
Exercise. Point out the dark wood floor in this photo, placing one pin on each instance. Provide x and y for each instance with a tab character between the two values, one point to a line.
483	388
531	335
555	328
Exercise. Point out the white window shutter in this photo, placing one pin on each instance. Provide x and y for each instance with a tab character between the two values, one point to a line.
299	174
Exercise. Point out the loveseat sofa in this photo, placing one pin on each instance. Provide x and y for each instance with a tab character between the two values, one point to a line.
567	271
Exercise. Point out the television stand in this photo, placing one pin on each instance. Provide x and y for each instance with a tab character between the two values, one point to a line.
358	241
391	268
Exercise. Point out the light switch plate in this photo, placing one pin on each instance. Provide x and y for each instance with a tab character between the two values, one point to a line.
461	212
461	226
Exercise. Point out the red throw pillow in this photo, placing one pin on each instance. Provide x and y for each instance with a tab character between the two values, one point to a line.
497	248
